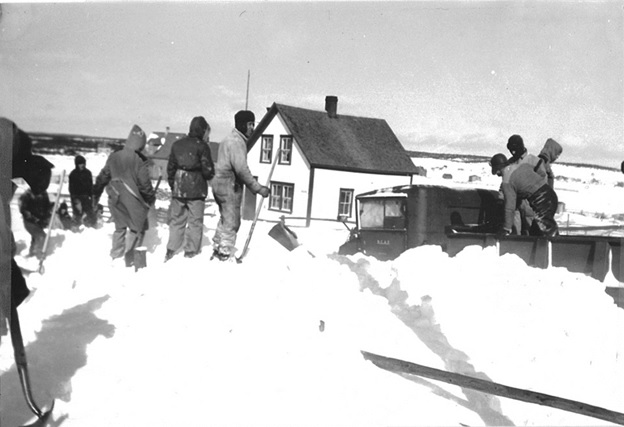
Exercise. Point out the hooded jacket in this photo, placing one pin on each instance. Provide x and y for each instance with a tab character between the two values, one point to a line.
551	152
519	182
126	179
190	165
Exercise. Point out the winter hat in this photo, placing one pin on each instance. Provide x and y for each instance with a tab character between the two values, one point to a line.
38	173
79	160
198	127
242	118
498	162
515	145
136	139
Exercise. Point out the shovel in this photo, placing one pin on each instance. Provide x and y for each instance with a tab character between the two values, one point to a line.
47	238
285	236
253	224
22	369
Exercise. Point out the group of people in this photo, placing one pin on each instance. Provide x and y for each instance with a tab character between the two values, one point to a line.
530	201
190	168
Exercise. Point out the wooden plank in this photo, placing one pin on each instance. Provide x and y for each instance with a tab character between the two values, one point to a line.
396	365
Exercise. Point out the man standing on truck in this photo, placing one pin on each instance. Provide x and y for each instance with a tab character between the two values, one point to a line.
521	181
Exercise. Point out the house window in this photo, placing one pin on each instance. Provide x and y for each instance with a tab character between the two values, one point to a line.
345	203
266	149
286	150
281	197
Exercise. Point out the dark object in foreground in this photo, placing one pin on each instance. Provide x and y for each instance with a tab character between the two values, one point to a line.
22	369
401	366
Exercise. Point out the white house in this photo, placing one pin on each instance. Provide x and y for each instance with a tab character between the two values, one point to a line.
326	159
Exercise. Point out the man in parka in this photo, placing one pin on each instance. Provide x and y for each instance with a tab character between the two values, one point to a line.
130	194
189	168
231	174
520	181
549	154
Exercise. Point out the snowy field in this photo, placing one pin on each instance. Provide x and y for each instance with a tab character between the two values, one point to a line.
277	339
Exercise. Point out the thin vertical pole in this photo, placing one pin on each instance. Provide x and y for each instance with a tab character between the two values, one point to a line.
247	95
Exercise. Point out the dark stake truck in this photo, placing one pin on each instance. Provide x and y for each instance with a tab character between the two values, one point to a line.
392	220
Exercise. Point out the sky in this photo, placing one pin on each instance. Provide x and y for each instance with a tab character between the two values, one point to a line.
448	77
276	340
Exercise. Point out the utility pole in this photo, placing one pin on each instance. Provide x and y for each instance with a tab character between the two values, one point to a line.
247	96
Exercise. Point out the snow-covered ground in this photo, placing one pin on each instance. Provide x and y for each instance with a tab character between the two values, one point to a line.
277	339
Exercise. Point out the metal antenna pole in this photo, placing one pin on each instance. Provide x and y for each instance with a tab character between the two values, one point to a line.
247	96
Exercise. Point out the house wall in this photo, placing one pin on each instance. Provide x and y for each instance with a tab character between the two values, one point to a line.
327	183
297	173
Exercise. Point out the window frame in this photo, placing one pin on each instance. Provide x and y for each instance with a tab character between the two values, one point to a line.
351	193
264	150
285	152
282	200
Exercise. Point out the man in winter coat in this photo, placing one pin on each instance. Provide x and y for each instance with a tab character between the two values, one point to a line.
15	156
524	220
35	206
549	154
81	192
231	173
189	168
130	194
520	181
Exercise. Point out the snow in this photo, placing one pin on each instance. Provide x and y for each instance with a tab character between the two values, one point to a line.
277	339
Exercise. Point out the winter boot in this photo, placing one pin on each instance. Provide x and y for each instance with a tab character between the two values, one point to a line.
169	255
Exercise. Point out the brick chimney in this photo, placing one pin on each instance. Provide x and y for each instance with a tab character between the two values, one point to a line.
331	106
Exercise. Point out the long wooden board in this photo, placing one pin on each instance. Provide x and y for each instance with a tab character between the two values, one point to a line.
396	365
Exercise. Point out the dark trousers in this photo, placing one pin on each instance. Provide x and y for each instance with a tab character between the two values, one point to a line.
544	203
186	224
37	238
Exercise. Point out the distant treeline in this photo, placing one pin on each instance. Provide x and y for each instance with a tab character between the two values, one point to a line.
471	158
49	143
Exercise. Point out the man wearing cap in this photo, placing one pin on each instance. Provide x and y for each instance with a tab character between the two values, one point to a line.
81	192
130	194
189	168
520	181
231	174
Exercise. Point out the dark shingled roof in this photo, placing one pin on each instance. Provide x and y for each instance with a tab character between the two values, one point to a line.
351	143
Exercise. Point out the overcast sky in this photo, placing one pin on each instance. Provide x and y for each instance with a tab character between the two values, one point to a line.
455	77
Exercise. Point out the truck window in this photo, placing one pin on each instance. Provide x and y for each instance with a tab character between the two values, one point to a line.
386	214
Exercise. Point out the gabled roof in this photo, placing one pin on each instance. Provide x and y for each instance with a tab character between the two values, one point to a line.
351	143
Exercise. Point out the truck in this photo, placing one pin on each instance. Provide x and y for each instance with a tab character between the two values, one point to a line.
391	220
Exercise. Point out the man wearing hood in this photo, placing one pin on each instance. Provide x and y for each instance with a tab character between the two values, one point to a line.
549	154
81	192
231	174
35	206
521	181
130	194
189	168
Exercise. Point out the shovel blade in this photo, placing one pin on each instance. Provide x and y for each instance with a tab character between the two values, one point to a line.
284	236
43	419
